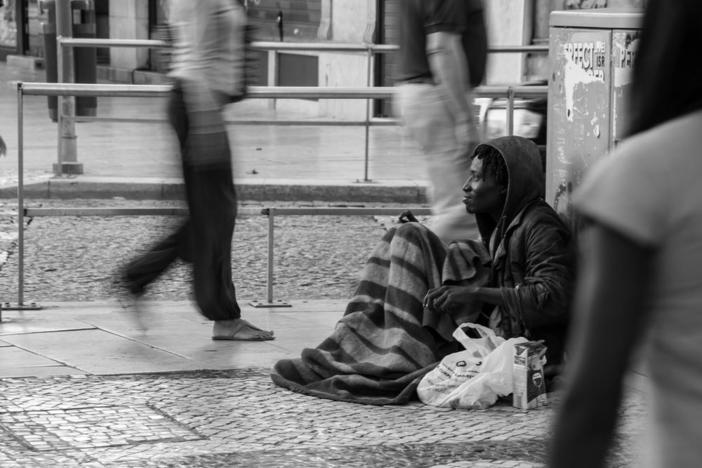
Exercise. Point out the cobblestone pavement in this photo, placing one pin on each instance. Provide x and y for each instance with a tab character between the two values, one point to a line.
239	418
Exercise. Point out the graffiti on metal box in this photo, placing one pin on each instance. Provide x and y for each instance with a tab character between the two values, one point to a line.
590	56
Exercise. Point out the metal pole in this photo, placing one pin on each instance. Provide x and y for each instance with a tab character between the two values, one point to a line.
20	196
67	147
367	123
272	75
59	109
270	212
271	226
510	111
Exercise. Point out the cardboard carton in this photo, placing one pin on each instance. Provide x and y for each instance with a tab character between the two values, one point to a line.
528	375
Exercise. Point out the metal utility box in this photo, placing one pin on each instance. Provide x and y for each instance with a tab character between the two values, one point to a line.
591	54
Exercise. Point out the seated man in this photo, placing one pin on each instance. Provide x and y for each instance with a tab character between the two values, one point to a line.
415	290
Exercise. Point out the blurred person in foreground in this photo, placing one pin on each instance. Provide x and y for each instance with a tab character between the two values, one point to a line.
209	71
640	280
415	289
443	52
3	147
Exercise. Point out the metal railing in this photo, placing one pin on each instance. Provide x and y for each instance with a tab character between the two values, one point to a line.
369	49
270	212
286	46
302	92
77	89
274	48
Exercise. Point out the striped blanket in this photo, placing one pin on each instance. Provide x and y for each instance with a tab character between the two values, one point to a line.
386	341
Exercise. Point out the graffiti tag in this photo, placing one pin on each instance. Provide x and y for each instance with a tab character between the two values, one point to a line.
590	56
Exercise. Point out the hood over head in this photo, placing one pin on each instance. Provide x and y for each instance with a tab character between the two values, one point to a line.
525	180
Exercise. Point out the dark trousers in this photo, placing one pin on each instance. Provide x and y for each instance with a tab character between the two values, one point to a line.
204	239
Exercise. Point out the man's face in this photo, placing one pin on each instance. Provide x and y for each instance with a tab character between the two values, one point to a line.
482	195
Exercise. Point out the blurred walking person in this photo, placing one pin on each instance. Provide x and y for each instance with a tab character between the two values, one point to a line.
443	50
208	69
640	282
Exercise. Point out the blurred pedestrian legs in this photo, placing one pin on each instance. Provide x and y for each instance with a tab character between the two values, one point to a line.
208	69
443	50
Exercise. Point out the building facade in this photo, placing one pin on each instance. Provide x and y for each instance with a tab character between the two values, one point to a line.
510	22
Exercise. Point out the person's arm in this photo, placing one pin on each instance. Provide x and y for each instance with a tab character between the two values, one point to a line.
543	298
609	319
453	298
449	68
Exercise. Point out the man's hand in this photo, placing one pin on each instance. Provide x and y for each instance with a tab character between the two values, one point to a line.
3	148
450	299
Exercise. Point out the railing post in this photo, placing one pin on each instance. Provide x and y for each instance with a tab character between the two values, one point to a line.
369	83
20	210
269	270
20	196
273	62
67	145
510	111
270	212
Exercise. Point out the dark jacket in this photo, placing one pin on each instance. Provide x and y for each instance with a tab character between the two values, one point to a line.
532	254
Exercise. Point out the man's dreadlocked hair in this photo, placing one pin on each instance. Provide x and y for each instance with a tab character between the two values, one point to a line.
493	164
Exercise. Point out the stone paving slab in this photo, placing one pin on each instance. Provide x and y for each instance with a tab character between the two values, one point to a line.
22	358
23	323
106	339
38	371
239	418
96	352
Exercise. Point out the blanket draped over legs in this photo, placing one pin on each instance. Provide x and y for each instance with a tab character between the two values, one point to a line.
386	341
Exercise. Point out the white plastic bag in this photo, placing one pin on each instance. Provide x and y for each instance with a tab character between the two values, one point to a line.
473	378
494	379
483	342
457	368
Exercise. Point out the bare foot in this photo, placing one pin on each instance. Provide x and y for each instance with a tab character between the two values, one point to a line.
239	330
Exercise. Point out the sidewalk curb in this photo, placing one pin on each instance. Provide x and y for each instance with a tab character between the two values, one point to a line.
394	191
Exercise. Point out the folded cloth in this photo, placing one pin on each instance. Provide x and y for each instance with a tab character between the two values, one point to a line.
386	341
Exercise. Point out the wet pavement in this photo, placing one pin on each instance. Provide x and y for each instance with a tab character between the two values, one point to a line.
135	143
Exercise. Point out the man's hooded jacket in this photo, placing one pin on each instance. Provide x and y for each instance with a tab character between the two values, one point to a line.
532	255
